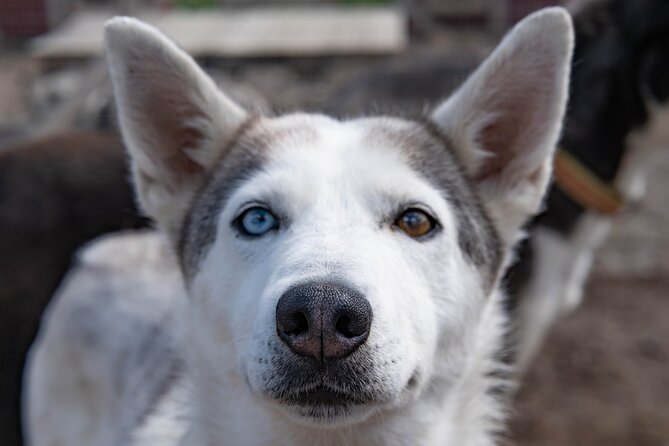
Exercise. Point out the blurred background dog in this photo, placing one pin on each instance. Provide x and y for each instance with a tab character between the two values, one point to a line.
599	378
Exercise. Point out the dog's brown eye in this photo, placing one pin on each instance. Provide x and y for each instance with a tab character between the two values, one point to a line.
415	223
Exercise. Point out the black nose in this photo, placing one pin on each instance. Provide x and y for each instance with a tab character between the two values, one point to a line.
324	321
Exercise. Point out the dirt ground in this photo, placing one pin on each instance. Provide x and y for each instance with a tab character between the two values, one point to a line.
603	376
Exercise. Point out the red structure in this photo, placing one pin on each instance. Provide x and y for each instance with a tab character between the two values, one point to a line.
21	19
520	8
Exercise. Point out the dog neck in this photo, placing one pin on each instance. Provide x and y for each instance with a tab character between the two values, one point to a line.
465	410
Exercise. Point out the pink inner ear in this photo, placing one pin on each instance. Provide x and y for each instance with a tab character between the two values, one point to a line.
494	139
515	132
169	131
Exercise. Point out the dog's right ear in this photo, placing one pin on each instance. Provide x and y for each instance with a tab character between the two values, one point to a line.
505	120
174	120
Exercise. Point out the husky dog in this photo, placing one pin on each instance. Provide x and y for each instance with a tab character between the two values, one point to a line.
617	121
313	281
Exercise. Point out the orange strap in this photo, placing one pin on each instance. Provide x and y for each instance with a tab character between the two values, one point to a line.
584	187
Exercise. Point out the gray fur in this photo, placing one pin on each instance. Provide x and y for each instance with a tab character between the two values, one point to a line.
431	156
428	151
246	156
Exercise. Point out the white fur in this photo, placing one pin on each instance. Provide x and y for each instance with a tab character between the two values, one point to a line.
74	394
437	324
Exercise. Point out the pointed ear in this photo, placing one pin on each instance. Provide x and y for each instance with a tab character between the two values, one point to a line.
504	122
174	120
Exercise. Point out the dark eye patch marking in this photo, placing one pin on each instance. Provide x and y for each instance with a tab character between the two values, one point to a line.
430	155
246	156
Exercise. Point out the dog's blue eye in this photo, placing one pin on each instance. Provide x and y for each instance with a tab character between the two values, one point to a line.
256	221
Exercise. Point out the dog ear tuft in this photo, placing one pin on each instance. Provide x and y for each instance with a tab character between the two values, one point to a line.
174	120
505	120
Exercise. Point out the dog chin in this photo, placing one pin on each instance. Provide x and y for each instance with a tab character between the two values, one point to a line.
328	415
323	407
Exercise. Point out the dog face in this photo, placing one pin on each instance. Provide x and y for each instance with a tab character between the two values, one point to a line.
339	214
339	268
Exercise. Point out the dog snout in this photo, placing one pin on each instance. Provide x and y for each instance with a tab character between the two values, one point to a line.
323	321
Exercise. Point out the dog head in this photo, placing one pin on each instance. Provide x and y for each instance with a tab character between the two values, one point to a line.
340	267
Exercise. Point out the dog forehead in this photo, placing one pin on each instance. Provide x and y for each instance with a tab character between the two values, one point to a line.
318	147
305	155
324	135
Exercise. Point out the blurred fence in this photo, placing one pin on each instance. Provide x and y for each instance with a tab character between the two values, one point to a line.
20	19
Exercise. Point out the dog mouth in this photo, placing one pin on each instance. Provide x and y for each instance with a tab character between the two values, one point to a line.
340	392
323	396
323	405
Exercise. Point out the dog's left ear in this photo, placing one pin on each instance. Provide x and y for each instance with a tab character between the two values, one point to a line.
504	122
175	122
